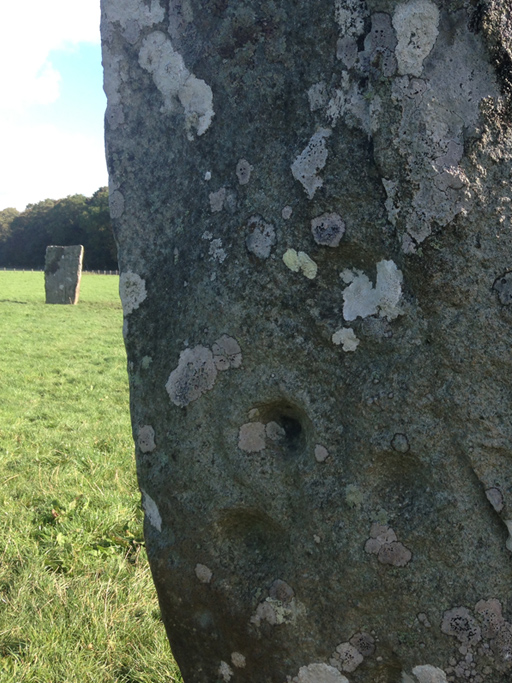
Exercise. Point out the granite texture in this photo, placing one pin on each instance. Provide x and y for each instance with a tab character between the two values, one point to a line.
312	208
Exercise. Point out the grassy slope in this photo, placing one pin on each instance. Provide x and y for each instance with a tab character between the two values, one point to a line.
76	598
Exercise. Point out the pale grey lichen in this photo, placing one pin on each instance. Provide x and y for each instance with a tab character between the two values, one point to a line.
347	338
346	657
203	573
319	673
416	25
426	673
328	229
227	353
146	439
460	623
238	660
176	84
243	171
196	373
262	238
274	431
151	510
436	118
277	611
132	291
217	200
383	542
225	671
126	11
491	617
311	161
364	643
321	453
495	498
508	522
251	437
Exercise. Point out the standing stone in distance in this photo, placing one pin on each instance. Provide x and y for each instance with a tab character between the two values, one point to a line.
62	274
312	203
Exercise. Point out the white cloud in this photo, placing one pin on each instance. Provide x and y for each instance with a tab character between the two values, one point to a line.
42	161
29	31
61	163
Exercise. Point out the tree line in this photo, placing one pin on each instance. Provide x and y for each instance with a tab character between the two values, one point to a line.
77	219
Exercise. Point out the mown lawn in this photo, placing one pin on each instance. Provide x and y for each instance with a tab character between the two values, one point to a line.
76	598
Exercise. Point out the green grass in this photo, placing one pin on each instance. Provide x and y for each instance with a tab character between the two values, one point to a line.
76	598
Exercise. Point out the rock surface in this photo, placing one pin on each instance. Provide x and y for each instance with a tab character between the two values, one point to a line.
62	274
312	206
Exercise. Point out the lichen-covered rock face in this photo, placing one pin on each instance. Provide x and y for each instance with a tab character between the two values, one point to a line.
63	274
312	207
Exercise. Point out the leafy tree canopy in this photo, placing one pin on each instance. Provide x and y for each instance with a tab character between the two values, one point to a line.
73	220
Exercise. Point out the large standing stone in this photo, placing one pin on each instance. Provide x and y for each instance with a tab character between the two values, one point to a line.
62	274
312	206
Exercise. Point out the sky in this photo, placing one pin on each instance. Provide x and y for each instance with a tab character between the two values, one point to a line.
51	101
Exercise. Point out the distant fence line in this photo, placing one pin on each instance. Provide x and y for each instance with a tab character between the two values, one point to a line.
41	270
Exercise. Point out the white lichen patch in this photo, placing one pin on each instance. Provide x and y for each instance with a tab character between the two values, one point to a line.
350	16
300	261
321	453
238	660
383	542
328	229
203	573
319	673
508	522
225	671
196	373
416	24
152	511
126	11
251	437
311	161
362	299
132	290
262	237
429	674
217	200
146	362
227	353
286	213
243	171
346	657
176	84
146	439
347	338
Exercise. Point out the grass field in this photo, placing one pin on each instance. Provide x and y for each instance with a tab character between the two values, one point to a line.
76	598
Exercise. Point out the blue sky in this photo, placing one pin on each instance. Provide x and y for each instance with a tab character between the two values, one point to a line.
52	103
